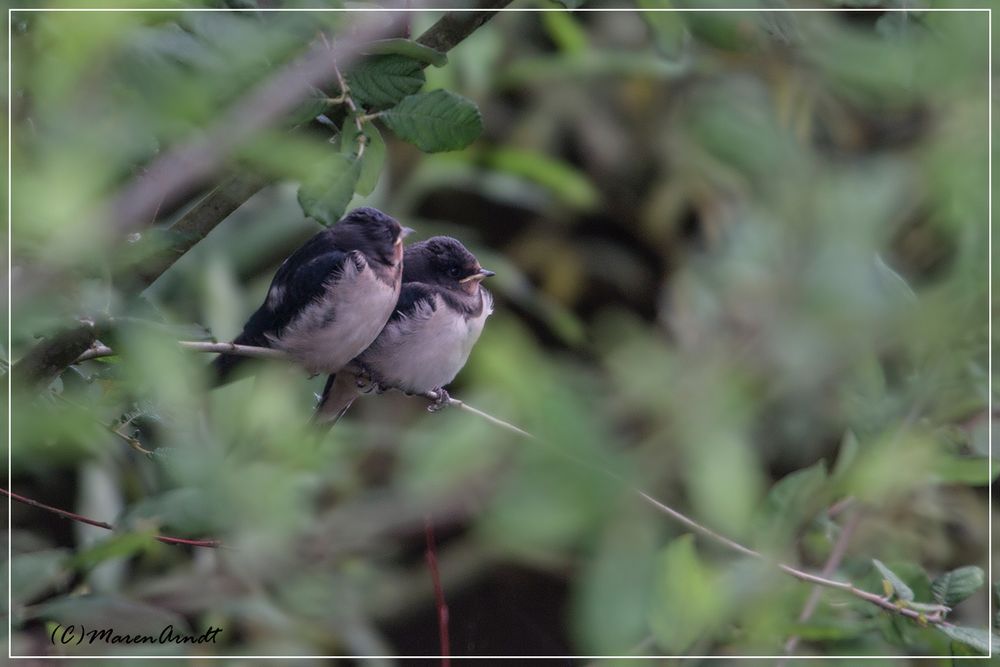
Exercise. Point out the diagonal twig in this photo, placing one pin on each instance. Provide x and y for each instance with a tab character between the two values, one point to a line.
884	602
47	359
212	544
832	563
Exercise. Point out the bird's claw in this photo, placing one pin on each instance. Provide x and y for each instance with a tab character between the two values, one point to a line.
441	402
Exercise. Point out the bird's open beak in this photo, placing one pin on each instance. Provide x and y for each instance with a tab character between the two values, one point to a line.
478	275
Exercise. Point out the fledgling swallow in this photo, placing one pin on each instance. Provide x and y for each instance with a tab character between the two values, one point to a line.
331	298
441	312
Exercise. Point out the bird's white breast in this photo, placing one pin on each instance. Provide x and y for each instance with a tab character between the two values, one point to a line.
337	327
427	349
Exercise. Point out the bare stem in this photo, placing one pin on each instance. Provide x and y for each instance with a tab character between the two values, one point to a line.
439	602
345	93
817	579
832	563
212	544
176	171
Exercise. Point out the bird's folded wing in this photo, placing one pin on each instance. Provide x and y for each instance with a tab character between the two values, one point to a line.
302	279
416	301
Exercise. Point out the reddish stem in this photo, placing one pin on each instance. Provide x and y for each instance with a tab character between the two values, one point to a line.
439	601
103	524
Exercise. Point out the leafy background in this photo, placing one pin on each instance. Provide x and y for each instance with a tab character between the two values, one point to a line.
741	265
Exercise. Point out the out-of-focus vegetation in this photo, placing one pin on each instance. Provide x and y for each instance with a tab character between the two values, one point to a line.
741	264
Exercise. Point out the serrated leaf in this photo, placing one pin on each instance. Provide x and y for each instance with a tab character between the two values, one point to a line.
408	48
686	597
899	587
326	196
380	82
977	638
953	587
435	121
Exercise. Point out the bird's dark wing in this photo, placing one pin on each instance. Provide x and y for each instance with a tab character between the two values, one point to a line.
413	297
301	279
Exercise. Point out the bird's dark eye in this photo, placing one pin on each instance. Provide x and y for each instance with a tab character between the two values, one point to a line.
453	272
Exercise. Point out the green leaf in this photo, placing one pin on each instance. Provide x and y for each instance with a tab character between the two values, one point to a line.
891	283
326	196
380	82
611	601
36	572
899	587
371	160
686	597
435	121
833	630
313	105
565	31
669	29
971	471
996	605
975	637
409	48
371	164
569	185
953	587
118	546
848	453
788	504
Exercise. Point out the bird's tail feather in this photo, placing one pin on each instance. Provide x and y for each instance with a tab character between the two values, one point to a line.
340	392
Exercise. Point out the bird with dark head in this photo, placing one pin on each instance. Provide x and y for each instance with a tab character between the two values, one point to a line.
331	298
441	312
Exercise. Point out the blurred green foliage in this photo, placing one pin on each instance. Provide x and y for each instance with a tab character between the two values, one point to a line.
742	265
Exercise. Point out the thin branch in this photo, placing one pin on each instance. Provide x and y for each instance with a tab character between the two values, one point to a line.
158	250
348	100
439	602
832	563
100	350
43	363
884	602
454	402
211	544
195	161
453	27
191	163
233	348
